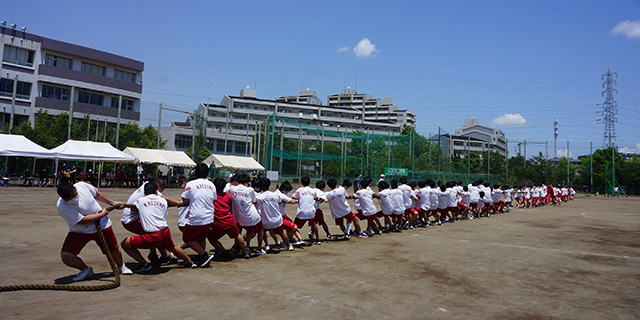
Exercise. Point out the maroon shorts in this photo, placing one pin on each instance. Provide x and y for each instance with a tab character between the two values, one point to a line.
443	210
420	210
277	230
256	228
319	217
350	217
398	215
74	242
133	227
288	224
158	239
215	233
361	216
195	232
473	205
300	222
379	214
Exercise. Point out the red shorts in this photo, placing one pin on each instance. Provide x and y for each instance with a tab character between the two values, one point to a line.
361	216
74	242
288	224
134	227
420	210
408	211
215	233
277	230
501	201
195	232
158	239
256	228
300	222
350	217
461	205
319	217
286	217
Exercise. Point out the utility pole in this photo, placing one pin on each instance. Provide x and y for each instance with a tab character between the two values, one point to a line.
555	138
609	111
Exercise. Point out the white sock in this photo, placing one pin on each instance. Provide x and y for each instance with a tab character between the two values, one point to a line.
348	229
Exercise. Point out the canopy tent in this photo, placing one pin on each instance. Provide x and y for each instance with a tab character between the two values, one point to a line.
233	162
90	151
19	146
165	157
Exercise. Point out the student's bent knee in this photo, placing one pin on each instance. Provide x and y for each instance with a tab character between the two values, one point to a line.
67	257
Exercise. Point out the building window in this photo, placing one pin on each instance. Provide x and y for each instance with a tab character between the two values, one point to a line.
93	69
240	147
183	142
17	55
23	90
55	92
219	145
124	76
127	104
58	62
90	98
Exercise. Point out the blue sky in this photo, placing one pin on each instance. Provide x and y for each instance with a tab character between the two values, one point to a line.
444	60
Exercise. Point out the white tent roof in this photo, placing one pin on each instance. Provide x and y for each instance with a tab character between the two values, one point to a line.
17	145
165	157
233	162
92	151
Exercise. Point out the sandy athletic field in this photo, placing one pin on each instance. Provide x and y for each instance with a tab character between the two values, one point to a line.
577	261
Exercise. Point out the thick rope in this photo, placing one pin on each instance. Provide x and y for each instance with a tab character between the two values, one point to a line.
59	287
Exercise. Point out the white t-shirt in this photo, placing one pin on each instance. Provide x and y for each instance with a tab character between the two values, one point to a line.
86	205
443	199
434	199
244	211
153	212
419	194
406	195
398	201
453	196
495	195
474	194
127	215
487	194
268	203
386	201
183	212
365	197
465	197
319	195
507	195
527	193
338	202
306	199
458	190
201	194
284	199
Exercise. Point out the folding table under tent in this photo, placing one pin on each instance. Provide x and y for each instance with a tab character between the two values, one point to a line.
233	162
90	151
164	157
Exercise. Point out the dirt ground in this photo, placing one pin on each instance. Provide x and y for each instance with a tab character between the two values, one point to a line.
577	261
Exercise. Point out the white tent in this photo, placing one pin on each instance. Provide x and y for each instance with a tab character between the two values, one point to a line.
90	151
165	157
20	146
233	162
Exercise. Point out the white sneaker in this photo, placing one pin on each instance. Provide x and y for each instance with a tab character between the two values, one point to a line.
290	247
260	252
267	248
247	253
299	242
84	274
124	270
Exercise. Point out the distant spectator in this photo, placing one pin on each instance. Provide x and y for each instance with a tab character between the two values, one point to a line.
356	183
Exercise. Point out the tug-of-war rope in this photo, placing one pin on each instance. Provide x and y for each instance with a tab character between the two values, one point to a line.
62	287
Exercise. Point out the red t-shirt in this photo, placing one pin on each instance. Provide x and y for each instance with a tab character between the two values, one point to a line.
222	217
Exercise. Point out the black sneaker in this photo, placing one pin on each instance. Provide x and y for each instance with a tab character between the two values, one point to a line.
144	268
205	259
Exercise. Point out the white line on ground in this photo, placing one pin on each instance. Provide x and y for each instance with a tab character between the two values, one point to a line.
13	244
549	249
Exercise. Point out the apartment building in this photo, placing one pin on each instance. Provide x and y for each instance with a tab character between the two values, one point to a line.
58	77
232	124
371	109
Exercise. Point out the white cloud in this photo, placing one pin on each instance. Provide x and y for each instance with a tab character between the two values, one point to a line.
630	149
510	119
365	49
631	29
563	153
343	49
